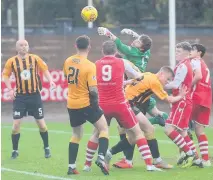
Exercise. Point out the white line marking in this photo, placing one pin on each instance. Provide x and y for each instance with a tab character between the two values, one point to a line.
35	174
67	132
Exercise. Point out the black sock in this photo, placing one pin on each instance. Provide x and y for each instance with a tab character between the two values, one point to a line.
129	153
15	140
73	151
44	136
122	145
103	145
153	146
122	136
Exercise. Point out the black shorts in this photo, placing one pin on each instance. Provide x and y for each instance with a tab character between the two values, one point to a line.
28	104
80	116
143	107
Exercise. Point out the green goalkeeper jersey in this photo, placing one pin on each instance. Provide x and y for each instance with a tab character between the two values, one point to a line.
134	55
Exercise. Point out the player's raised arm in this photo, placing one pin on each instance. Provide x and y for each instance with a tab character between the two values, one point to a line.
123	48
130	71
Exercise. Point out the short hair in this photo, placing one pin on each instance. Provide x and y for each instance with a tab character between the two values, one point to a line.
184	45
147	42
82	42
167	69
200	48
109	47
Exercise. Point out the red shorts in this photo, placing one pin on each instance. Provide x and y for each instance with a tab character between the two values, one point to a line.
200	114
121	112
180	115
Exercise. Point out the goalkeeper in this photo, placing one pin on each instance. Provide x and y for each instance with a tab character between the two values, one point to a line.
138	54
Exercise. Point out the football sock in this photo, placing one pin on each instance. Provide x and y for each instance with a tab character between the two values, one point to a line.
103	142
191	145
15	140
180	142
144	150
153	146
90	152
73	151
120	146
44	136
203	145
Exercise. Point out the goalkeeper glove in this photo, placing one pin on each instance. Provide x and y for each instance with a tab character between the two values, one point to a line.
105	32
130	32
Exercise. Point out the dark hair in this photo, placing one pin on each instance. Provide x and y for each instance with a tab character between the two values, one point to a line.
117	55
200	48
147	42
184	45
167	69
109	47
82	42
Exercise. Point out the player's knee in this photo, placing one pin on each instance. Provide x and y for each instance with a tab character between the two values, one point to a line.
75	139
150	134
16	127
121	130
104	134
199	130
168	129
43	128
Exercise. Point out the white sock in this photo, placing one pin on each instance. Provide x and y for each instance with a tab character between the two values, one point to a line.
73	166
189	153
157	160
129	162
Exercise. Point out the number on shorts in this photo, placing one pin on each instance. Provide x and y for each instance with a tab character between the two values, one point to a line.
73	75
40	112
107	73
208	75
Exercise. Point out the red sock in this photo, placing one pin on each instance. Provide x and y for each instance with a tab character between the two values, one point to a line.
144	150
179	141
191	145
91	149
203	145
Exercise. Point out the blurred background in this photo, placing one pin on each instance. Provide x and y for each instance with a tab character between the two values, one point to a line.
51	27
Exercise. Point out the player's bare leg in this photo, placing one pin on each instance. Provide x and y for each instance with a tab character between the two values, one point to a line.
15	136
203	144
180	140
135	136
44	135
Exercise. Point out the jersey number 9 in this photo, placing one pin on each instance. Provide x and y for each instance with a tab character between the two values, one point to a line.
107	73
73	75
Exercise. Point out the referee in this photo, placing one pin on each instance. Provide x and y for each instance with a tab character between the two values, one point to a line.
26	98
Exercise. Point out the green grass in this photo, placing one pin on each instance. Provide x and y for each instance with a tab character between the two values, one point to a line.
31	156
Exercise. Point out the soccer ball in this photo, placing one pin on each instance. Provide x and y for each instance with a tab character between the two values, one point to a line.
89	13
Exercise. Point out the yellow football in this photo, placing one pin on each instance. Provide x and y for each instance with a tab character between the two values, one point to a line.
89	13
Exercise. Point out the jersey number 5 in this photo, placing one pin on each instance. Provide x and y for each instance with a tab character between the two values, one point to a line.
73	75
107	73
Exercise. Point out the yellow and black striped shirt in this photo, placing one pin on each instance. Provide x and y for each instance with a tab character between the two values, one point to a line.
26	72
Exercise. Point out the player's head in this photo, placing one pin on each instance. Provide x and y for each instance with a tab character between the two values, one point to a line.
165	75
22	47
198	50
82	43
182	50
143	42
109	48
